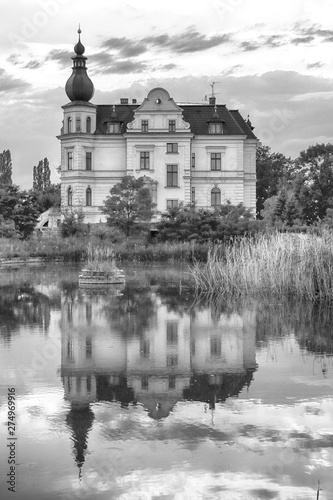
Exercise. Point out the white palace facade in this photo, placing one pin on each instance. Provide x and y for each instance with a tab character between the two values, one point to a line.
190	153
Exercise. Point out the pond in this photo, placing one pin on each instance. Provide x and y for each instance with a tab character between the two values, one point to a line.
145	391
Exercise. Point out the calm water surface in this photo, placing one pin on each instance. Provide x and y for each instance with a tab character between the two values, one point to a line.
145	392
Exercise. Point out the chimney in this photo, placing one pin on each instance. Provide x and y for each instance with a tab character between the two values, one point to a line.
212	100
123	100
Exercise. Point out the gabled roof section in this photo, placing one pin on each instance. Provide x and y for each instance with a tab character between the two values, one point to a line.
158	100
125	115
242	124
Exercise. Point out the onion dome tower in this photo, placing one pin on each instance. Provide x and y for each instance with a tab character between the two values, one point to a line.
79	87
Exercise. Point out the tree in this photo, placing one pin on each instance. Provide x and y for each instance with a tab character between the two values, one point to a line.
130	204
41	176
19	208
50	197
313	183
5	168
272	170
73	222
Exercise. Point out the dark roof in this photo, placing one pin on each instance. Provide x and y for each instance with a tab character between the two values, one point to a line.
198	116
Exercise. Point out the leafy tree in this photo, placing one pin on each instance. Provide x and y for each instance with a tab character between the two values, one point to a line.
272	170
5	168
50	197
313	185
20	208
41	176
130	204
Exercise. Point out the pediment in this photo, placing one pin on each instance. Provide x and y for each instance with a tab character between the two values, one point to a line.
157	100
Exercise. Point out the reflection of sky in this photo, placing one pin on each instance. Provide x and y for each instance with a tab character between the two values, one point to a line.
275	440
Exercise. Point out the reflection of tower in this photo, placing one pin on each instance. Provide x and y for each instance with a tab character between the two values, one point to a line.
80	420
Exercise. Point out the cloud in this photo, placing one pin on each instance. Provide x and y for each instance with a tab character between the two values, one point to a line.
317	64
188	42
62	57
303	39
122	67
249	46
11	84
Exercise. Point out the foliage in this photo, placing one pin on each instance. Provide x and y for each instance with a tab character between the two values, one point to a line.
129	205
50	197
313	185
41	176
185	223
5	168
7	228
273	169
72	223
19	208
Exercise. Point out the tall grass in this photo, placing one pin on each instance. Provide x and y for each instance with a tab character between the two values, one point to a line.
271	264
75	249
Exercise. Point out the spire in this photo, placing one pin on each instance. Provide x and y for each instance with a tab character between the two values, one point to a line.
215	115
248	122
79	87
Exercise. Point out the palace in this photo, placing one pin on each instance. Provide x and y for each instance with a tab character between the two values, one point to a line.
191	153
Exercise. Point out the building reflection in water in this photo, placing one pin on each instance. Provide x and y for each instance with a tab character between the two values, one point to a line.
191	355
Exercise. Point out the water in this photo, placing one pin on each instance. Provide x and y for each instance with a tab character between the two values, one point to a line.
145	392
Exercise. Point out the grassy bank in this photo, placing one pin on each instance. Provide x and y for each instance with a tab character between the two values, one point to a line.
75	249
277	264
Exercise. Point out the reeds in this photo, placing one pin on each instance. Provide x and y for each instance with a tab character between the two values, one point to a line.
271	264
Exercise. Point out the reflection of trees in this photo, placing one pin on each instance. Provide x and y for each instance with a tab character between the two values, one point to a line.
132	310
22	305
310	322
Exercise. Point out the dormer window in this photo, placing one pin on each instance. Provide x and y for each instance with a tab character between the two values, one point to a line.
215	128
113	128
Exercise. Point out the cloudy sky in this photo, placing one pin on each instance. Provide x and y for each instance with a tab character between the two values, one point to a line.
271	60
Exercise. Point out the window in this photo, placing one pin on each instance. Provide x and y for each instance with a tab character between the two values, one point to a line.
70	354
144	160
144	382
70	197
88	161
172	360
88	197
69	124
193	195
215	347
193	160
172	125
144	125
172	382
215	161
78	384
172	203
70	160
172	333
144	348
172	175
172	147
215	128
78	124
215	197
88	347
88	383
113	128
88	125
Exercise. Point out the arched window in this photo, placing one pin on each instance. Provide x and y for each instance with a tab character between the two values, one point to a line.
70	197
69	124
215	197
88	197
88	125
78	124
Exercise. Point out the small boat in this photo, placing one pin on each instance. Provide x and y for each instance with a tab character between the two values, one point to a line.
112	277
